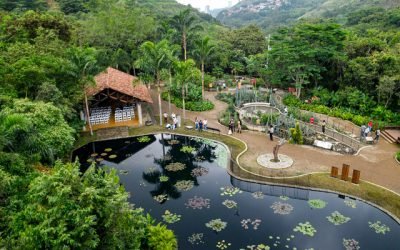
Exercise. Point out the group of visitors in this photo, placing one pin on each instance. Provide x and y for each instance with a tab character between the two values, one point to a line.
365	130
174	120
231	127
200	125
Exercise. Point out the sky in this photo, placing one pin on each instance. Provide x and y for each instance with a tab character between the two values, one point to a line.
214	4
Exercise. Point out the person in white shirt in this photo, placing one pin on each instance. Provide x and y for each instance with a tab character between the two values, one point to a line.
271	132
205	124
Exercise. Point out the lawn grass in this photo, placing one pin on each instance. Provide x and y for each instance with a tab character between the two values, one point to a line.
366	191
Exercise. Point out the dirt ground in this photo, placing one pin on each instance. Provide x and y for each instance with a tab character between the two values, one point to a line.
376	162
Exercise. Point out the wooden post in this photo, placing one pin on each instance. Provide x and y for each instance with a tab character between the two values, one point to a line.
345	172
334	172
356	176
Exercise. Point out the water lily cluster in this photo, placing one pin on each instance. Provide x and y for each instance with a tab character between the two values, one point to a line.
255	223
229	204
150	170
199	171
337	218
305	228
257	247
258	195
351	244
170	218
282	208
187	149
350	203
175	166
317	203
184	185
223	244
199	158
379	227
230	191
123	172
284	197
198	203
196	239
173	142
161	198
217	225
143	139
163	178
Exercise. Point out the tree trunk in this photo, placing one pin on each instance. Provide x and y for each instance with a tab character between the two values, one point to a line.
169	93
202	80
184	45
183	103
159	96
88	115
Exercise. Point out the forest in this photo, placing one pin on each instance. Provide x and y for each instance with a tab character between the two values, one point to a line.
51	50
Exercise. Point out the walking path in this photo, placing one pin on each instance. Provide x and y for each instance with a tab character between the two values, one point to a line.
375	162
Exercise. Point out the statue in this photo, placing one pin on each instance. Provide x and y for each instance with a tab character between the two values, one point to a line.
276	149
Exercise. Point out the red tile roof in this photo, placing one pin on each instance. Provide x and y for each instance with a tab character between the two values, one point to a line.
122	82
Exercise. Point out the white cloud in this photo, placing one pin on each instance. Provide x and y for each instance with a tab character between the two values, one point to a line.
214	4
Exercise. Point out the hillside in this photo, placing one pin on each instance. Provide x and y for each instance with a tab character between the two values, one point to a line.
270	14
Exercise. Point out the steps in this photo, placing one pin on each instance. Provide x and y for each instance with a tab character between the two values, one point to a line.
388	137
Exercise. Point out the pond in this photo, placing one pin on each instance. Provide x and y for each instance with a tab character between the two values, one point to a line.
183	182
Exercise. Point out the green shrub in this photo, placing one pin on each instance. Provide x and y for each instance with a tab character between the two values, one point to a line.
296	135
398	156
161	238
189	105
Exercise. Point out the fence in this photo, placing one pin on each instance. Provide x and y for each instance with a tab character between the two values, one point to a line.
244	179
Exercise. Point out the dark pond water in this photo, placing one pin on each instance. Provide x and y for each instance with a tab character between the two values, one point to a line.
199	190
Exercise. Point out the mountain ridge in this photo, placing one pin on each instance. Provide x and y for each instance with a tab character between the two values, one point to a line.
270	14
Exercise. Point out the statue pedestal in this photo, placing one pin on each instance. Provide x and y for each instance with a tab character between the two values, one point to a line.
266	160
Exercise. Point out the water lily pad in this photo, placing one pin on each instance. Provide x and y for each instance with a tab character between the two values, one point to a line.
99	159
317	203
337	218
170	218
112	156
108	150
379	227
305	228
123	171
103	154
94	154
217	225
90	160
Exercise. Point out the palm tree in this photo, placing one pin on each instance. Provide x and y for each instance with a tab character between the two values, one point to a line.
153	58
202	53
184	72
184	23
84	69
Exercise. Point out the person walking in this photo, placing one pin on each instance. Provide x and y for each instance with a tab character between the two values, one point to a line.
377	135
196	124
271	132
205	122
323	126
239	127
200	125
230	126
165	117
370	125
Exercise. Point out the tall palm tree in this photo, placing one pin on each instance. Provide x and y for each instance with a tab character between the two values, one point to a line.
152	59
185	23
84	69
202	52
184	71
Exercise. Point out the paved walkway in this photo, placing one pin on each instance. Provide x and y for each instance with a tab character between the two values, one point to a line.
376	162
